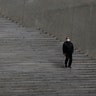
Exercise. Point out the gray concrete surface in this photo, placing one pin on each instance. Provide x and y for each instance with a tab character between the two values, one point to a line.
32	64
74	18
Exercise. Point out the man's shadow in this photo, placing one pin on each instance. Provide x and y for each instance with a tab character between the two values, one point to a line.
58	64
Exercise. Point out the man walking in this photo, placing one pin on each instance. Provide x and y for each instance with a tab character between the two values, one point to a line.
68	50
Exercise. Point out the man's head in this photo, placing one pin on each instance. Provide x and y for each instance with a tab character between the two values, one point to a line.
67	39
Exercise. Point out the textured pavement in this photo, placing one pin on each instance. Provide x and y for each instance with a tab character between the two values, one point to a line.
32	64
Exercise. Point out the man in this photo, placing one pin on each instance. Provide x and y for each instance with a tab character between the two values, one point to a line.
68	50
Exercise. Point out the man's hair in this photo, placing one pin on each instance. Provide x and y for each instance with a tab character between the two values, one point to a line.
67	38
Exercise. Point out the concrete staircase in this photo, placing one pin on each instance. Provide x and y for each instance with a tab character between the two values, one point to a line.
32	64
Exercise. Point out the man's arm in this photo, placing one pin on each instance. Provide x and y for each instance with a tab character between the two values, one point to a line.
64	48
72	48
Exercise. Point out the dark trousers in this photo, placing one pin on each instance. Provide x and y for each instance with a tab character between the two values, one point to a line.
68	60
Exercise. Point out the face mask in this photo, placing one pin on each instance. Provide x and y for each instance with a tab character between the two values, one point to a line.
68	39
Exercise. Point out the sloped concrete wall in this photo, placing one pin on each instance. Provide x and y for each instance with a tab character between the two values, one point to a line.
12	9
74	18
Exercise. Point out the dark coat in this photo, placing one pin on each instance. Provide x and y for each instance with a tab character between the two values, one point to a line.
68	47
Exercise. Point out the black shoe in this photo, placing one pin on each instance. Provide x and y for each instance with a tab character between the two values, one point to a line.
69	66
